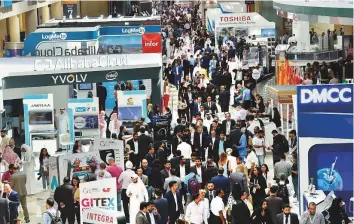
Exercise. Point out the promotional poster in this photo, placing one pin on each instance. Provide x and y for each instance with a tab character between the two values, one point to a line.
325	148
98	201
110	148
132	105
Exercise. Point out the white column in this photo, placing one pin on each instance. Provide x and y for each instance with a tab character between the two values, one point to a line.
31	21
287	121
14	28
301	30
281	118
45	14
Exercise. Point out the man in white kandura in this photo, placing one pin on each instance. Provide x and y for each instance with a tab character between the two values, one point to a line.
137	193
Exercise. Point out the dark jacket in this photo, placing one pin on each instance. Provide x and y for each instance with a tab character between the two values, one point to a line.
280	218
102	92
223	125
240	213
172	204
209	173
14	202
224	98
144	142
257	217
161	205
275	205
64	195
234	138
4	211
141	218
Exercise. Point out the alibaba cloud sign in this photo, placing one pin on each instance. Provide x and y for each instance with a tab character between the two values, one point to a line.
151	43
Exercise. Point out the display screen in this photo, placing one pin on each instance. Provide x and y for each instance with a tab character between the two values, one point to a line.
85	86
40	117
268	32
129	113
86	122
331	166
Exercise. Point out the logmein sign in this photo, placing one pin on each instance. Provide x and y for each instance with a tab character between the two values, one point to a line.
326	98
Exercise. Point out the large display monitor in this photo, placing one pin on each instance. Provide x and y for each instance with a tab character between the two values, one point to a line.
130	113
40	117
86	122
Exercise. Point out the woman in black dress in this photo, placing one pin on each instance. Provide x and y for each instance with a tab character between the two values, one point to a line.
257	187
262	215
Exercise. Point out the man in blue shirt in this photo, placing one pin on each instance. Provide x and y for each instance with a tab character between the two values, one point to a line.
246	98
177	74
222	182
186	179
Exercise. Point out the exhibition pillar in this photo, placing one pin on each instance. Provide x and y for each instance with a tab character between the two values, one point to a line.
56	10
156	93
45	14
31	21
301	30
14	28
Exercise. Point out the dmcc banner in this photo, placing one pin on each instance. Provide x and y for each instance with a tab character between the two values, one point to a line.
98	201
325	130
97	41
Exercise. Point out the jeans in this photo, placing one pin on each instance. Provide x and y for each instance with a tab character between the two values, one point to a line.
296	188
260	159
119	200
45	179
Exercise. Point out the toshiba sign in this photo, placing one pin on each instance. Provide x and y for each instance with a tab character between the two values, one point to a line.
151	43
226	19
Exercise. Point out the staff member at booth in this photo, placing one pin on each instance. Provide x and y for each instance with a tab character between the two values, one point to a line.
63	125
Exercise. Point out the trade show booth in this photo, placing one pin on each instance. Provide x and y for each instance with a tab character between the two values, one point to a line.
281	97
325	145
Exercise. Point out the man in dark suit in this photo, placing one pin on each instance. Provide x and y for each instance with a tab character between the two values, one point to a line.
166	171
134	156
141	216
189	99
13	199
161	205
213	147
173	196
241	179
161	154
196	106
4	210
200	142
102	96
144	142
224	99
275	204
234	137
176	140
279	147
198	169
179	126
18	183
210	193
210	171
210	107
175	160
63	195
227	124
286	216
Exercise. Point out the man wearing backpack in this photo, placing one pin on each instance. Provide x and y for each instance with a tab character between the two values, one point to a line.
192	183
51	216
64	197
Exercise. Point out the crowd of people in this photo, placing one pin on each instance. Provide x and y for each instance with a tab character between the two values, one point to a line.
217	170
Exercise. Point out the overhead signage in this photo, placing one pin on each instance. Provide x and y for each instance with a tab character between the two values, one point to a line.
151	43
60	51
231	20
67	63
40	105
69	79
111	76
54	36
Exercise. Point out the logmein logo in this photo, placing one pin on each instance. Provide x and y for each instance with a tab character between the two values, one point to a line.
326	95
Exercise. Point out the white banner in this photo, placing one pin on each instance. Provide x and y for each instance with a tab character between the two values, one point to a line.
110	148
98	201
53	175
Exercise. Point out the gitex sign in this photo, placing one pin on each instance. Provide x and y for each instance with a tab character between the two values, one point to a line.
332	95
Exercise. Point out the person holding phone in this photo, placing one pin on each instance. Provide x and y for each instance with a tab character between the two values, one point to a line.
257	186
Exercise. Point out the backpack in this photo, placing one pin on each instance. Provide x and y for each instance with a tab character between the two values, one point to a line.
283	192
55	219
193	186
285	145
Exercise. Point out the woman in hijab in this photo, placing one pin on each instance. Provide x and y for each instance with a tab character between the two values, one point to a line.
10	157
337	213
276	119
28	167
103	124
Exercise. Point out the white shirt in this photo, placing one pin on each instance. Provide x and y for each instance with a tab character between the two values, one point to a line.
175	197
284	219
182	172
192	137
126	178
195	212
136	147
202	114
240	114
152	218
199	172
228	127
186	150
258	141
216	206
252	157
253	125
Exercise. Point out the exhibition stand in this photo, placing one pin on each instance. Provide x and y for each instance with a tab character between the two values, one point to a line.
325	145
39	122
282	98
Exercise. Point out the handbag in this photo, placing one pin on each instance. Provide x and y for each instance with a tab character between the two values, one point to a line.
45	171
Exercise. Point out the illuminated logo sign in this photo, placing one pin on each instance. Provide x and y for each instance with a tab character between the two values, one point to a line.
54	36
85	109
111	76
151	43
326	95
133	30
60	51
40	105
227	19
69	79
